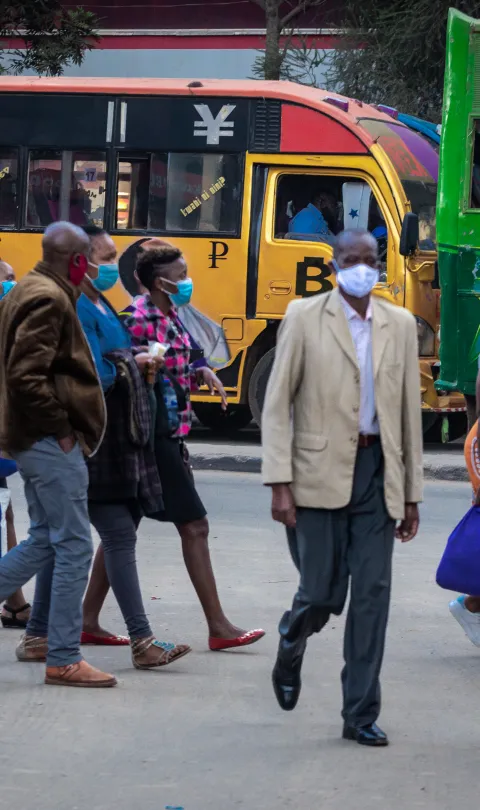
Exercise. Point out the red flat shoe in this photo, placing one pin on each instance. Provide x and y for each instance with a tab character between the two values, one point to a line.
104	641
241	641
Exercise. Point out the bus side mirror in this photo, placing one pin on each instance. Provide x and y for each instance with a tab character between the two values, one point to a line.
410	234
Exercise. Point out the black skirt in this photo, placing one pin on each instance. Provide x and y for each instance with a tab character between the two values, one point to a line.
181	500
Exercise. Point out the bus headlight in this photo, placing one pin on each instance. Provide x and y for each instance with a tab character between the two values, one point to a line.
426	338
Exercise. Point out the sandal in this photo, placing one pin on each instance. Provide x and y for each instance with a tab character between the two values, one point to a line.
12	621
171	652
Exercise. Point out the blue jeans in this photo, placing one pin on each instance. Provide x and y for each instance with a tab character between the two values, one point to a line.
116	524
56	486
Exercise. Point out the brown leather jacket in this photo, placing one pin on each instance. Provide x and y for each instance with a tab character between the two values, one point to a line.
48	381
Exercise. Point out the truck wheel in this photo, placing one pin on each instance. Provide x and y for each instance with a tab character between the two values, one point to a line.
471	403
457	427
257	386
234	418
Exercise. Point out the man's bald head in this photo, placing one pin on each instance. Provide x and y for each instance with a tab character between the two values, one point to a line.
355	247
62	240
6	272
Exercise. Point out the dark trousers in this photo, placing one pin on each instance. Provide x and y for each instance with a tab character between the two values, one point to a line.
329	548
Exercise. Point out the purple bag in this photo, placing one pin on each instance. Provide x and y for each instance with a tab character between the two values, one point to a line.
459	568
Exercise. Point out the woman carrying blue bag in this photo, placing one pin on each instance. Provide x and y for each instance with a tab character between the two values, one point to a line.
459	568
466	608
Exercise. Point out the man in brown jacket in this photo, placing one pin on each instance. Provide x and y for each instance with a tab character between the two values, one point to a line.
52	412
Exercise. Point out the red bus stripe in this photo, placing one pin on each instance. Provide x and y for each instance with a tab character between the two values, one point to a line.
164	42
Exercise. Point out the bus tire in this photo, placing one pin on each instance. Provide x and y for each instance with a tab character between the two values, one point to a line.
211	416
257	386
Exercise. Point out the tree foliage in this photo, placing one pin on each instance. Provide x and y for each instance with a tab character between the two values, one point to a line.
282	59
51	36
394	53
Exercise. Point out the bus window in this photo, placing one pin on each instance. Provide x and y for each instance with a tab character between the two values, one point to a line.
132	193
314	208
44	178
417	166
179	192
65	185
203	193
475	189
8	187
88	186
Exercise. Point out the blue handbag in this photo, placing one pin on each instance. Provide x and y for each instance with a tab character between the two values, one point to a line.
459	568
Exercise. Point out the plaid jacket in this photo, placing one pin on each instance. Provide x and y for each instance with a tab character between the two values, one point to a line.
201	362
124	467
147	323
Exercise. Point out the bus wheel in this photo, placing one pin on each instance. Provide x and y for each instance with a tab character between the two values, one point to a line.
432	432
211	416
258	384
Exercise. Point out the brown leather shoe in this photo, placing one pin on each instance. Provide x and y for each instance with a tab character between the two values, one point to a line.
79	674
32	648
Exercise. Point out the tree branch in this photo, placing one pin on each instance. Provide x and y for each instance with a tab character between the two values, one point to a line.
260	3
302	6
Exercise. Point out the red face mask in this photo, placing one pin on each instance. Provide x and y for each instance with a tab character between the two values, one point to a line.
77	268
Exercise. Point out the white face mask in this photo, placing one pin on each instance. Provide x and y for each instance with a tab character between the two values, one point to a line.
358	280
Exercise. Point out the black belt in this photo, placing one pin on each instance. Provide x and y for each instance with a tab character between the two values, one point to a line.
366	440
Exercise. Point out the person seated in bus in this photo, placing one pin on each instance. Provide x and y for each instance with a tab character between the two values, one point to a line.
318	217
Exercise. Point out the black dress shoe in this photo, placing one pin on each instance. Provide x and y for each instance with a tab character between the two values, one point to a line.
366	735
286	684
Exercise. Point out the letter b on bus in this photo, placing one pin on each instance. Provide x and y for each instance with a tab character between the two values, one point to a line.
312	277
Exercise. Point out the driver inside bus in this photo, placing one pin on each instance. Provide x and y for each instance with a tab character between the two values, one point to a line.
318	217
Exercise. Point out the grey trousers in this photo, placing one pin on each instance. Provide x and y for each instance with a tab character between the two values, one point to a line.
117	525
59	538
329	549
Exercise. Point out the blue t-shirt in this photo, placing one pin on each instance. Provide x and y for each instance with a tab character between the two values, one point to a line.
308	220
105	333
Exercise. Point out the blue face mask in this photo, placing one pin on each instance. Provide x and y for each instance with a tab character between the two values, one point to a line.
107	277
5	287
184	294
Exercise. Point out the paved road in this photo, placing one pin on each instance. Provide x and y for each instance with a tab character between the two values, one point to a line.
208	733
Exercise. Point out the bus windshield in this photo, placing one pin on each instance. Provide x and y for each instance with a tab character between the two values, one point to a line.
416	163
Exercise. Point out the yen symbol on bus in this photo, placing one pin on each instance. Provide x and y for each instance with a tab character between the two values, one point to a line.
213	128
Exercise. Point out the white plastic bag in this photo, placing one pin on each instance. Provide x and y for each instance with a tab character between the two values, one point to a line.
208	334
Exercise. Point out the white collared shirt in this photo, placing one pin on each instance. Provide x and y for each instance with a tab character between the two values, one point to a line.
361	332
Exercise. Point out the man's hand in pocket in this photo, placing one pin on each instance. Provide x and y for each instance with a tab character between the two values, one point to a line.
68	443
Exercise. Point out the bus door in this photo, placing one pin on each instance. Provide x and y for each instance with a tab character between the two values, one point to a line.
303	210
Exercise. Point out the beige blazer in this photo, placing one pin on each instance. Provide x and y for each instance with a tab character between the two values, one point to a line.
310	415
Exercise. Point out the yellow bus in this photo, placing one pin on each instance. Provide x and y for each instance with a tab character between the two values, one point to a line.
221	169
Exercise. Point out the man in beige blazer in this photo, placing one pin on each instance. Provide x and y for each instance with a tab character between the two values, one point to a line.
342	452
